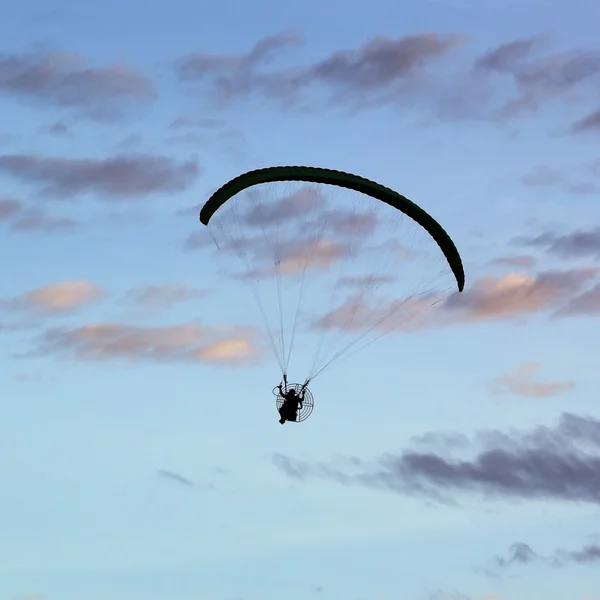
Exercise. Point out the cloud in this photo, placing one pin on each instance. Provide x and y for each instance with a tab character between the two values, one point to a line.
581	243
162	297
64	80
539	80
174	343
58	129
9	208
299	204
560	463
520	383
36	220
515	261
509	56
198	240
520	553
206	123
24	219
590	122
176	477
412	70
544	176
587	303
119	177
379	64
516	294
66	296
489	298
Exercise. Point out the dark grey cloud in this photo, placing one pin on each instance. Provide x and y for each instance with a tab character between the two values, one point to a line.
559	463
581	243
123	177
63	79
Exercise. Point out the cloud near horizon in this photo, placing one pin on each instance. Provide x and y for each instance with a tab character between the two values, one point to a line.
559	463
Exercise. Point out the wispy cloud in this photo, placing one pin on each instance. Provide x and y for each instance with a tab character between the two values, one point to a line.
396	71
581	243
379	64
521	553
521	383
63	79
162	297
120	177
63	297
175	477
588	123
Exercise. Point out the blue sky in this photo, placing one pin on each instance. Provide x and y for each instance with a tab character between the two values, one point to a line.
140	452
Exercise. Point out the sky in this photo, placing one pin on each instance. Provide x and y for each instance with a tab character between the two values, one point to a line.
457	458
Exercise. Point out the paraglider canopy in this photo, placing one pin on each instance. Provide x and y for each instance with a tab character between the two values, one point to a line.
335	261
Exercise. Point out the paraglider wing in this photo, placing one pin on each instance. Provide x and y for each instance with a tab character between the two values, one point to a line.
345	180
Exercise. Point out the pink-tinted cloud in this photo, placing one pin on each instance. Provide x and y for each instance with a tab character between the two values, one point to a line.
120	177
175	343
63	79
522	383
63	297
517	294
489	298
294	256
